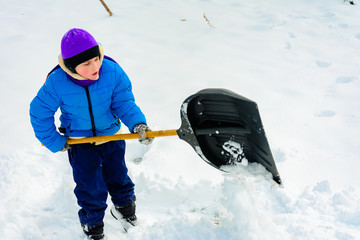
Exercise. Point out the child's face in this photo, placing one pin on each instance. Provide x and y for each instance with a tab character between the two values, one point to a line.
89	69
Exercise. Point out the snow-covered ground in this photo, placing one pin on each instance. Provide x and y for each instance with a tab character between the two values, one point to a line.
299	60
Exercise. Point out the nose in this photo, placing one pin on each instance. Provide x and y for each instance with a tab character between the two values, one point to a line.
95	65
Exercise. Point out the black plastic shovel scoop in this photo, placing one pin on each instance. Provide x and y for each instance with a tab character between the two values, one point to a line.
222	127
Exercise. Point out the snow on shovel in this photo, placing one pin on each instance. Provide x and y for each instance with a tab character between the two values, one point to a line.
222	127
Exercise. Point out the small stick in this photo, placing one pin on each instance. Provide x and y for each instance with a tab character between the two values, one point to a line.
106	7
208	22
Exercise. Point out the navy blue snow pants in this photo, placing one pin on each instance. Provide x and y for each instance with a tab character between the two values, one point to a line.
97	171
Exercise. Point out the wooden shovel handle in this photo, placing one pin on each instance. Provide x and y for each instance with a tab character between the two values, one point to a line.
125	136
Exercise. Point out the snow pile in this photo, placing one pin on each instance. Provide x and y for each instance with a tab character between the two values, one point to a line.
299	62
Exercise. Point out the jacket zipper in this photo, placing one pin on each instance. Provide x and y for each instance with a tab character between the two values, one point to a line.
90	111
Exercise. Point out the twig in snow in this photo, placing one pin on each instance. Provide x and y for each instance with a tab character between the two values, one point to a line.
208	22
351	2
106	7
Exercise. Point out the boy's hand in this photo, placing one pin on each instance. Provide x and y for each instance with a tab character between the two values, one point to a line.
142	129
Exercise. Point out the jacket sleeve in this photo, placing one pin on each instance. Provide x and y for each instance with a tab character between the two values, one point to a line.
123	101
42	111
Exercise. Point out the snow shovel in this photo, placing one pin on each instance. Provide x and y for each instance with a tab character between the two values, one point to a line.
222	127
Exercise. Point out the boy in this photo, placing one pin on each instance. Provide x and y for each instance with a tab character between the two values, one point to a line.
93	94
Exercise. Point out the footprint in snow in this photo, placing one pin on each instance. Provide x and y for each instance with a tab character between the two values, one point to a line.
325	113
287	45
343	25
322	64
345	79
357	36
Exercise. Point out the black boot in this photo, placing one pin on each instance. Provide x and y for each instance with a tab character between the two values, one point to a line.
126	212
94	232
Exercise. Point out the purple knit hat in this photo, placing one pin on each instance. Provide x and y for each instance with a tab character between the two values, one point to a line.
78	46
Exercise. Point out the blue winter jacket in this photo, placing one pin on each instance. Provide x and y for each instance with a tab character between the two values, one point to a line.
85	111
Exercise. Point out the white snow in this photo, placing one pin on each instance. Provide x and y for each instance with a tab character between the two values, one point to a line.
235	151
299	60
